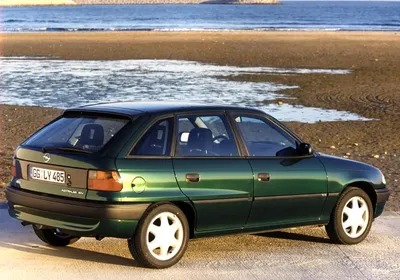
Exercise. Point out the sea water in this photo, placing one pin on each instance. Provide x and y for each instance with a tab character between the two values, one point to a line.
313	15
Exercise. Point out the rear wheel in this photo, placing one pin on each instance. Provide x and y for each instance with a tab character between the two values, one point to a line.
352	217
54	237
161	237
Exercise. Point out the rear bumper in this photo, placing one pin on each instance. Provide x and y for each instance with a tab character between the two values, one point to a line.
80	217
382	195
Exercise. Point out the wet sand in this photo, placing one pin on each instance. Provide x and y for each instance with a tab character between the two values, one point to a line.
371	90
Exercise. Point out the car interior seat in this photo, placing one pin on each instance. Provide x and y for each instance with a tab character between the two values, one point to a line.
154	144
91	135
200	141
227	147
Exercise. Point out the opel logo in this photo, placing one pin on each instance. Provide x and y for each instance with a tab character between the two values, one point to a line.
46	157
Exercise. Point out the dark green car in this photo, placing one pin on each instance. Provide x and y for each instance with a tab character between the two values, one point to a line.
159	173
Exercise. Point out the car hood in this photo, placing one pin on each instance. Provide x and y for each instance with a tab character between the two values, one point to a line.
333	162
343	172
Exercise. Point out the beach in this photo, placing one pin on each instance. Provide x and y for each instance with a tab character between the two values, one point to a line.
370	90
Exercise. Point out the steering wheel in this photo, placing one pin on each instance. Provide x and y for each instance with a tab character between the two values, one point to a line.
220	138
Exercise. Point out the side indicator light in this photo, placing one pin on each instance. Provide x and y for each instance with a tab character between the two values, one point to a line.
13	169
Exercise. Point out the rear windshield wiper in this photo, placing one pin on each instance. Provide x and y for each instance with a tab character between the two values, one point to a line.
66	149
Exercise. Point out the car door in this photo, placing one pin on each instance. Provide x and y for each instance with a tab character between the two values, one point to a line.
211	173
288	188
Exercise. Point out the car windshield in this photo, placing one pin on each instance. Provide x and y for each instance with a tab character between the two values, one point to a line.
77	133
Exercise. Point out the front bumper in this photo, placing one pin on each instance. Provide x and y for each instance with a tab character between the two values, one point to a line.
382	196
81	218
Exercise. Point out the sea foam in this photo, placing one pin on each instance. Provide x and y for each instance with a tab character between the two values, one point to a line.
68	83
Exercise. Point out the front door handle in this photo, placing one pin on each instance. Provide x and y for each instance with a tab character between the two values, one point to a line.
192	178
263	177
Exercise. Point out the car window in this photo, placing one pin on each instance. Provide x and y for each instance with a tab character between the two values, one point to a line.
89	133
156	141
205	136
264	138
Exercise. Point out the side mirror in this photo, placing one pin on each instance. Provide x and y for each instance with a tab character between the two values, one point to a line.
305	149
183	137
287	152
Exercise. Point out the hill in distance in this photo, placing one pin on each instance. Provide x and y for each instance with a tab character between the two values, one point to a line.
116	2
124	2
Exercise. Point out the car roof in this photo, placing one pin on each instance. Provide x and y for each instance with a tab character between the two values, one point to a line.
155	107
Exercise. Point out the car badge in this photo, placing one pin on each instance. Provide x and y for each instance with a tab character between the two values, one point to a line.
46	157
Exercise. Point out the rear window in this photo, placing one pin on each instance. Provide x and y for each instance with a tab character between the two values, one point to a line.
88	133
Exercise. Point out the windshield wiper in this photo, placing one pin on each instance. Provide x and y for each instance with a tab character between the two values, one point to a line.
66	149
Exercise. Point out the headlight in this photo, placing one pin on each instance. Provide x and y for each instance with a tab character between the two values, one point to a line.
383	179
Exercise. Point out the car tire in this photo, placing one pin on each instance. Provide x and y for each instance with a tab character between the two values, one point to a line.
54	238
352	217
161	237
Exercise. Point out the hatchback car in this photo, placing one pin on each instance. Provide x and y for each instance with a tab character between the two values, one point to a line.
160	173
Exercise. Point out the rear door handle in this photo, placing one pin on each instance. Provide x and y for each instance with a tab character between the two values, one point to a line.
263	177
192	178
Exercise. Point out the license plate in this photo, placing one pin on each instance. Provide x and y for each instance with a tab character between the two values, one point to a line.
47	175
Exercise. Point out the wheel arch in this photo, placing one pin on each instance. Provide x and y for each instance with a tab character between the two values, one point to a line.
187	209
366	187
190	214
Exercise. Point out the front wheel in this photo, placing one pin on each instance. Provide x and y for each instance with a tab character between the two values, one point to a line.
161	237
54	237
352	217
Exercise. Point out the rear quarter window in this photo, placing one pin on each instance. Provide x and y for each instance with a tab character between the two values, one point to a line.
89	133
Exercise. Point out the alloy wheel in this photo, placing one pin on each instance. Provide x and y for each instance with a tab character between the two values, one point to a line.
164	236
355	217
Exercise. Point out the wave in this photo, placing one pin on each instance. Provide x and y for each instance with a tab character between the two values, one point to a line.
72	29
366	27
13	20
28	22
379	24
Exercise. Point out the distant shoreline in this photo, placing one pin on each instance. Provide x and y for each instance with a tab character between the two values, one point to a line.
38	5
199	31
142	2
25	3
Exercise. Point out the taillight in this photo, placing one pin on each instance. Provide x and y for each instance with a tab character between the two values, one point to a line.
108	181
13	169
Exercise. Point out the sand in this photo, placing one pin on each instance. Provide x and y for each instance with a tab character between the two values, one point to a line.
372	90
